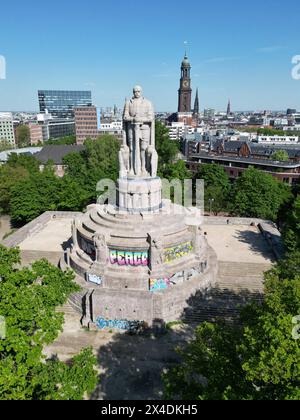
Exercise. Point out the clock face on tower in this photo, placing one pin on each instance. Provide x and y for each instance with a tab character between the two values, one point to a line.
185	84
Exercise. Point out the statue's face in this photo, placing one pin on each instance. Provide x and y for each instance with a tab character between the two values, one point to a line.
137	92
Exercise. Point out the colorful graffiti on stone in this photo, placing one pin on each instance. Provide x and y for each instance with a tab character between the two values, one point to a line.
160	284
118	324
128	258
171	254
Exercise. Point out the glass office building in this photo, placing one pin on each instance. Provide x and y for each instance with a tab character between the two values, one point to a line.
61	103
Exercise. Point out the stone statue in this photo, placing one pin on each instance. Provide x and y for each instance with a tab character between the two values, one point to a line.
124	158
138	156
156	251
100	242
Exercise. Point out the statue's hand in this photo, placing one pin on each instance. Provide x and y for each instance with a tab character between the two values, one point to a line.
128	118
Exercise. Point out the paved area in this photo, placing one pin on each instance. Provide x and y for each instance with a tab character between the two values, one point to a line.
239	244
50	238
130	367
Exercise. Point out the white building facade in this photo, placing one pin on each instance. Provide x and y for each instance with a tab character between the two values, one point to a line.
7	135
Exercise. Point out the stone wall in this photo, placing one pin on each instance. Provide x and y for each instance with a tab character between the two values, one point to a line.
134	305
273	237
36	226
238	221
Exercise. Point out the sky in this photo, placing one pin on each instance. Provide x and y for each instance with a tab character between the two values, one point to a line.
238	50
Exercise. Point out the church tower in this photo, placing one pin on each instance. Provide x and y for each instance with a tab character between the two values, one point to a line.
229	108
185	93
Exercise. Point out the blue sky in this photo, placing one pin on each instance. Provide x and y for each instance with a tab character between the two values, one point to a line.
238	50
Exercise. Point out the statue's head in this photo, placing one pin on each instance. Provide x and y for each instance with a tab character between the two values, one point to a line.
137	91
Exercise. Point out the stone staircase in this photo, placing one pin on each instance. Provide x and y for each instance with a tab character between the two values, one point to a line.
73	306
237	285
67	309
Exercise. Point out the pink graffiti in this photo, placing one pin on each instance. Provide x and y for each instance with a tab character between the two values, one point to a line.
128	258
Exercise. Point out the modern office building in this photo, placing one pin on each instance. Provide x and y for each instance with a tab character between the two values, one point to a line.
7	134
60	128
61	103
55	128
87	123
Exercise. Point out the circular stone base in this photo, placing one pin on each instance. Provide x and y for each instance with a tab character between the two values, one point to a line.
139	266
137	195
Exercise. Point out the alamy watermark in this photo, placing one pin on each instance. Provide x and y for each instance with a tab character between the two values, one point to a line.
2	328
296	329
2	67
296	68
184	195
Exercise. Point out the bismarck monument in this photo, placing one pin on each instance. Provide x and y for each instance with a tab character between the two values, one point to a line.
142	258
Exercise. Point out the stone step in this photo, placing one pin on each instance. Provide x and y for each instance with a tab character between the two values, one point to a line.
67	309
227	269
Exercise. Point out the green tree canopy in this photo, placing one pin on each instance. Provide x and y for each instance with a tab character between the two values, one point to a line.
257	360
62	140
23	136
176	170
166	148
18	168
291	230
258	194
28	301
281	156
98	161
216	186
33	196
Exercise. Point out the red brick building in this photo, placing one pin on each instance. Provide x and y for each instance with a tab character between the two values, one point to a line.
86	123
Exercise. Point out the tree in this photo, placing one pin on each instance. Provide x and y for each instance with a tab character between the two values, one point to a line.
291	229
5	145
23	136
176	170
281	156
71	195
17	168
63	140
166	148
29	297
98	161
256	360
258	194
33	196
216	186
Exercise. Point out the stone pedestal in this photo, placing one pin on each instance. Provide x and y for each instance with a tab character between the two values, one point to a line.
139	195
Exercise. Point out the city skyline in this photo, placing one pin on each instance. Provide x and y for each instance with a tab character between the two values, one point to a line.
251	63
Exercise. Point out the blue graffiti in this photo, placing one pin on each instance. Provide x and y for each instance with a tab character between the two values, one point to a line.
118	324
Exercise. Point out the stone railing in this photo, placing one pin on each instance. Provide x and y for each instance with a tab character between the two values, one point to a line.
35	227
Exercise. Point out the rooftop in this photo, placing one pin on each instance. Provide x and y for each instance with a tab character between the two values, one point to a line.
56	153
25	151
262	162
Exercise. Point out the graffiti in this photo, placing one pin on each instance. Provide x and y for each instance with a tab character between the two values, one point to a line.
176	252
88	248
160	284
129	258
119	324
93	278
